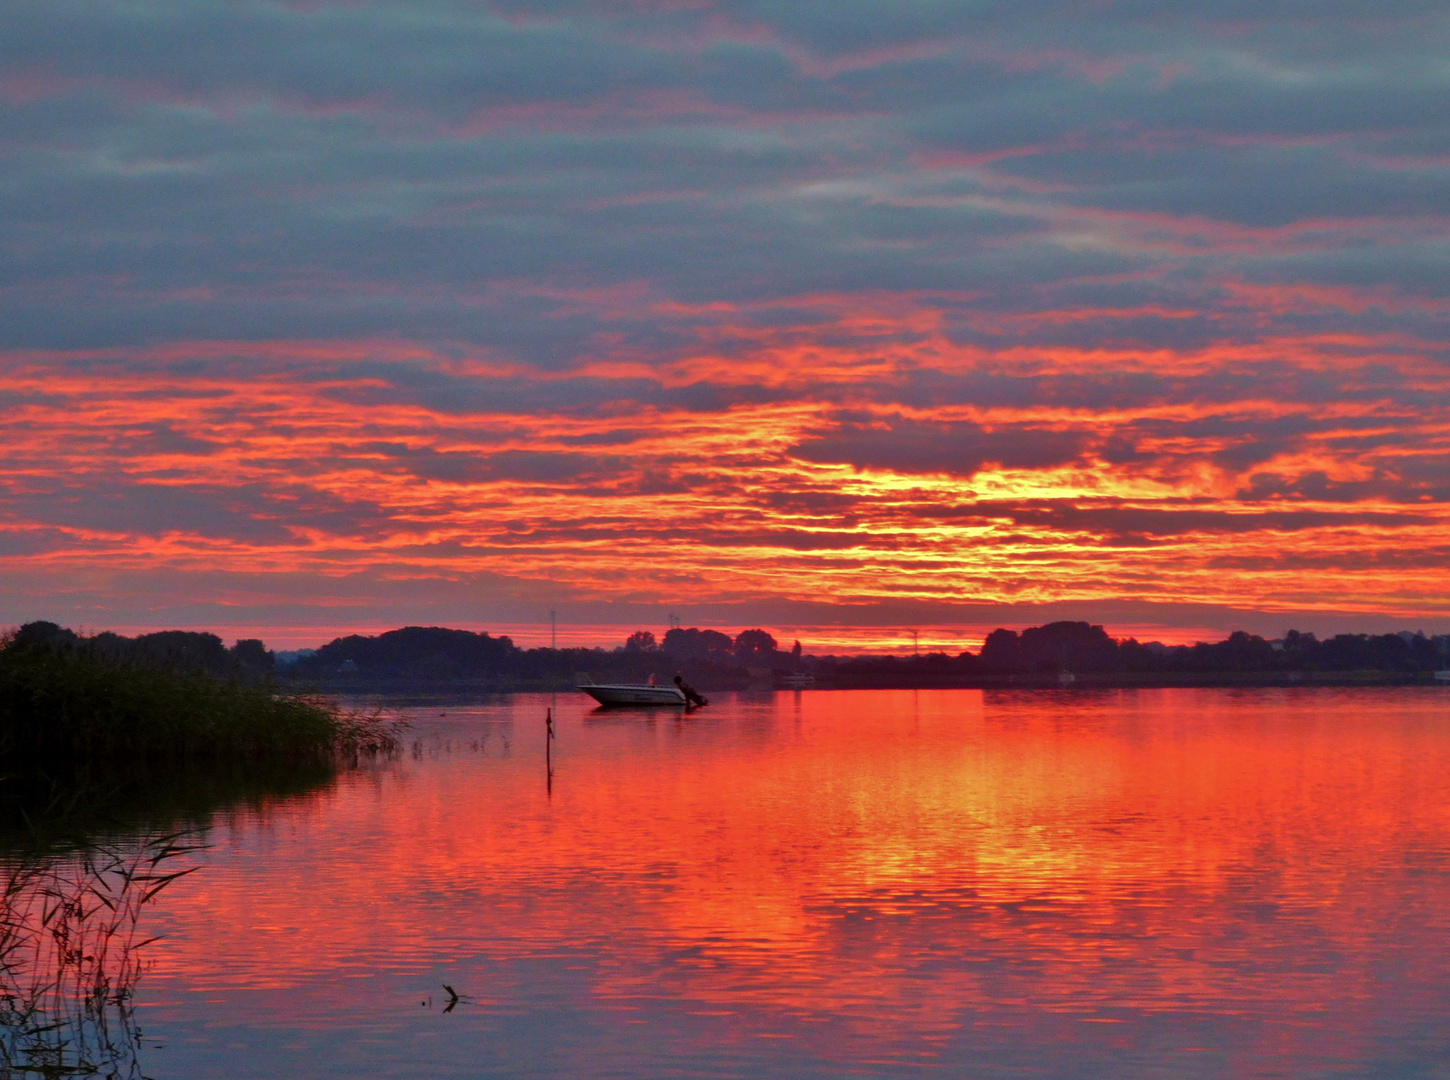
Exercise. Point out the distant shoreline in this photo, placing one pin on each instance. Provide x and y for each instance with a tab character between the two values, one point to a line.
420	660
1075	655
364	687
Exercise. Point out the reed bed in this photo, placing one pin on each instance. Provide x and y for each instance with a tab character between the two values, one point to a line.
97	748
68	704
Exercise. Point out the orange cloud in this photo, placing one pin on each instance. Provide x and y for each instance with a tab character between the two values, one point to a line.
323	458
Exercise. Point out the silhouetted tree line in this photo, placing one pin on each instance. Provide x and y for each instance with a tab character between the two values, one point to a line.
432	653
417	655
183	650
1077	646
712	658
1083	649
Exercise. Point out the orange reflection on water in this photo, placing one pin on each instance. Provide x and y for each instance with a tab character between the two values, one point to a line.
902	870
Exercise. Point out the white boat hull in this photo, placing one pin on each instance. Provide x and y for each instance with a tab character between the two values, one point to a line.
635	694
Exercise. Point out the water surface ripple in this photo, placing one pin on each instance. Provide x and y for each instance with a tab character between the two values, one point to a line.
1177	883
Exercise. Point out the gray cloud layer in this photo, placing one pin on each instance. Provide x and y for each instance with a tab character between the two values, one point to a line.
254	169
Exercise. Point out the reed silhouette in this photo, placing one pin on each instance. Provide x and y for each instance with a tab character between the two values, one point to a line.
65	698
71	953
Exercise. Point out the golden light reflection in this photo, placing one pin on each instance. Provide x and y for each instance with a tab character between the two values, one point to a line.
904	860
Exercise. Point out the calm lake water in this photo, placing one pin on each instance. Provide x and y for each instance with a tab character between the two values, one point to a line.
1165	883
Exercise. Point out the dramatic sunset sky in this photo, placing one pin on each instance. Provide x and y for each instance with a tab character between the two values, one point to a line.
324	316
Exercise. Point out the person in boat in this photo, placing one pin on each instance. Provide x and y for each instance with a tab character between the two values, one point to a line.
692	696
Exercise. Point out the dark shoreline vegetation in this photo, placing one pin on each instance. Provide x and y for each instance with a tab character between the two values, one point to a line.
434	659
111	734
69	698
116	756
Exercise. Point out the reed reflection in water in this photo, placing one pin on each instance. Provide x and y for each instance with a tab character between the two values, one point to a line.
87	850
1186	883
71	956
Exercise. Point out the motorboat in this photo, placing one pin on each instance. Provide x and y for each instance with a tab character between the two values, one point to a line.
798	680
635	694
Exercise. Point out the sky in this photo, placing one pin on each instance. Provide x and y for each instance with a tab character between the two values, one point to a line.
331	316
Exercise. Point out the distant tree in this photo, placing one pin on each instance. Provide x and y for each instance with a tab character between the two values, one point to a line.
1425	651
695	643
754	644
1246	652
641	641
1002	651
46	635
183	649
1381	652
1068	646
1240	651
433	651
1297	642
795	651
251	655
1133	655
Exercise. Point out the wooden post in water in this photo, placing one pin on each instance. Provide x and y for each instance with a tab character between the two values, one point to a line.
549	742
